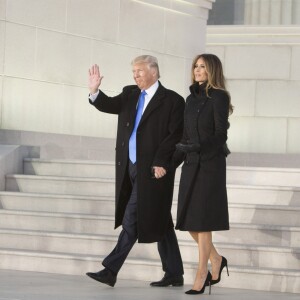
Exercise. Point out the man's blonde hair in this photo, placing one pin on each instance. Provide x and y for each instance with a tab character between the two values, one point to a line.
150	60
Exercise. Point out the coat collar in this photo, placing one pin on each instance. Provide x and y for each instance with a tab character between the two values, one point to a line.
155	102
198	90
132	103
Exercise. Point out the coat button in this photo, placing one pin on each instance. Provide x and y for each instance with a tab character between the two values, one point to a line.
119	163
123	143
127	124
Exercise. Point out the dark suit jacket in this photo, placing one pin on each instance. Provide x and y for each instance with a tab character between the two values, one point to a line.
159	130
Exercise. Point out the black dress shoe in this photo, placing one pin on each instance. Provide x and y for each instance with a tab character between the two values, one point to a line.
105	276
169	280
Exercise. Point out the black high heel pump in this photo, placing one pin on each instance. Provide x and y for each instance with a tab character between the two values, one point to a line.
223	264
206	283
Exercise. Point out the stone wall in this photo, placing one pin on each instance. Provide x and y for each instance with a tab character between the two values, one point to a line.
262	69
47	46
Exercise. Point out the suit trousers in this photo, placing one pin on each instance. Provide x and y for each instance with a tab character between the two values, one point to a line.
168	247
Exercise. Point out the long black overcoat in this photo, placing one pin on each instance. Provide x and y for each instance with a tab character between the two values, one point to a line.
159	130
202	199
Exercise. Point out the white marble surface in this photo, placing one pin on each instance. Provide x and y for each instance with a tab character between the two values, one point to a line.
278	98
295	62
293	143
17	285
137	28
46	14
19	62
261	68
94	18
254	134
46	48
2	45
62	58
243	94
2	9
257	62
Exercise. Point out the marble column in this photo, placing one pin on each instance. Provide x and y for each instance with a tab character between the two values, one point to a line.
247	12
275	12
272	12
296	12
255	11
286	12
264	13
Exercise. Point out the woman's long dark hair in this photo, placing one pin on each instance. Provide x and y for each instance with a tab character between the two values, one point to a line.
215	76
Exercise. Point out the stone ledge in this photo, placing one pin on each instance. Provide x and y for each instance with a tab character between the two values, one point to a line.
261	35
59	146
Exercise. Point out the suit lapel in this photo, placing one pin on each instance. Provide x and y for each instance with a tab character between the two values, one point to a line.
132	103
154	103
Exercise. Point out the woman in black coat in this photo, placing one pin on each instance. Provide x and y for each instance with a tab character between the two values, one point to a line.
202	200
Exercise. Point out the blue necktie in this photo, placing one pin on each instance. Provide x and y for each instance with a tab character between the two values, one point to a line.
132	140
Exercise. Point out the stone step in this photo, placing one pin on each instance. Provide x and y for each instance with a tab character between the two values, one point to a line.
287	177
244	194
71	168
104	169
60	185
58	222
264	214
93	224
89	244
239	213
99	205
265	195
147	270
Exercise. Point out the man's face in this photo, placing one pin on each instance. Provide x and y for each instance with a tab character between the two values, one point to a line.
144	75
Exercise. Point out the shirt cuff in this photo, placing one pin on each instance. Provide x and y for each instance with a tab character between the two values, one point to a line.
93	97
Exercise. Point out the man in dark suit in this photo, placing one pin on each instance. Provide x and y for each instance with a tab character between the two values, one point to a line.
150	123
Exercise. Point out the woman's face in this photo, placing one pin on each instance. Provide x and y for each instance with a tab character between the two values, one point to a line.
200	73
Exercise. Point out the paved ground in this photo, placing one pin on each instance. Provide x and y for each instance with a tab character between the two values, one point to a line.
16	285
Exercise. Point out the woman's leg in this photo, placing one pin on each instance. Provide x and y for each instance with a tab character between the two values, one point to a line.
215	260
194	236
214	257
204	248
